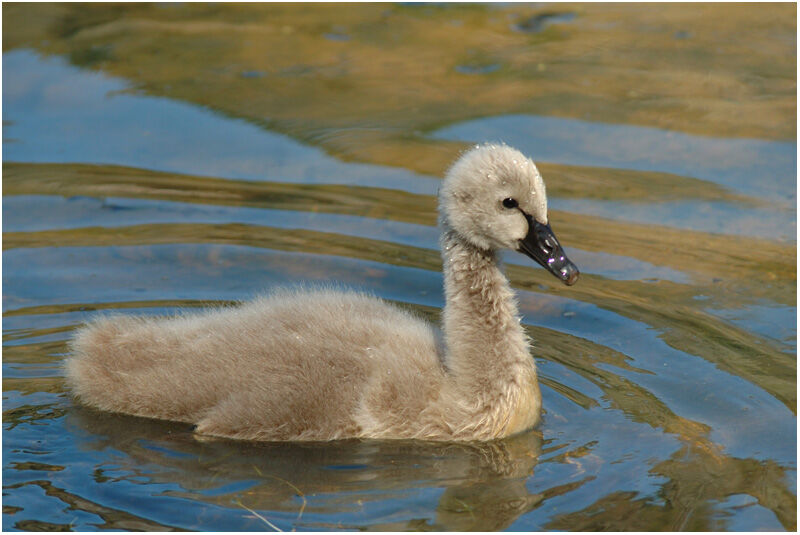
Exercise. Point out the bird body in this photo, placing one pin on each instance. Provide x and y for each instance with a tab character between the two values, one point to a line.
326	364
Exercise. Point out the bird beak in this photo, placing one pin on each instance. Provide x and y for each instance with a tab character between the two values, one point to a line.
541	245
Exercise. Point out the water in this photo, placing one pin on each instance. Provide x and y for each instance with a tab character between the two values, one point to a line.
261	146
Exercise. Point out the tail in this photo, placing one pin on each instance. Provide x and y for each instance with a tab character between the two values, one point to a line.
137	366
101	369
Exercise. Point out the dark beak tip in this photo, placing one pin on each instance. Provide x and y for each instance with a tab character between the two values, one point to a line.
541	245
572	278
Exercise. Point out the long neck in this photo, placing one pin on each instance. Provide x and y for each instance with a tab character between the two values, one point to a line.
487	349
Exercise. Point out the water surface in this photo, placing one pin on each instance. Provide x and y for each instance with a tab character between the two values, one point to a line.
167	158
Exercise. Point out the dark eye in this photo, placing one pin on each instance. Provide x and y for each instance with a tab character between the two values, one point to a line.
510	203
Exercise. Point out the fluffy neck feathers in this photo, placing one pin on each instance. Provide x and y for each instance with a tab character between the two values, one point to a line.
487	349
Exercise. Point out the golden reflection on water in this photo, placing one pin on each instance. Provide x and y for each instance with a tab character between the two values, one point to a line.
716	263
396	73
368	83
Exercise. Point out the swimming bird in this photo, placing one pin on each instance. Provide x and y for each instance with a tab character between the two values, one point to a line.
319	365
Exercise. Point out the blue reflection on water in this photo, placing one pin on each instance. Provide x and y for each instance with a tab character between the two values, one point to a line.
226	272
30	213
706	216
771	320
58	113
128	129
764	169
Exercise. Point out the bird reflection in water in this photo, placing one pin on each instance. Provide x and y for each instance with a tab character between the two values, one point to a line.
483	482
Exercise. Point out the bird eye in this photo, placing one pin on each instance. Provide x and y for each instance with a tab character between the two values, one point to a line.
510	203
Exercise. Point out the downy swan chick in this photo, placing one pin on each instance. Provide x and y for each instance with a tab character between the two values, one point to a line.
324	365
